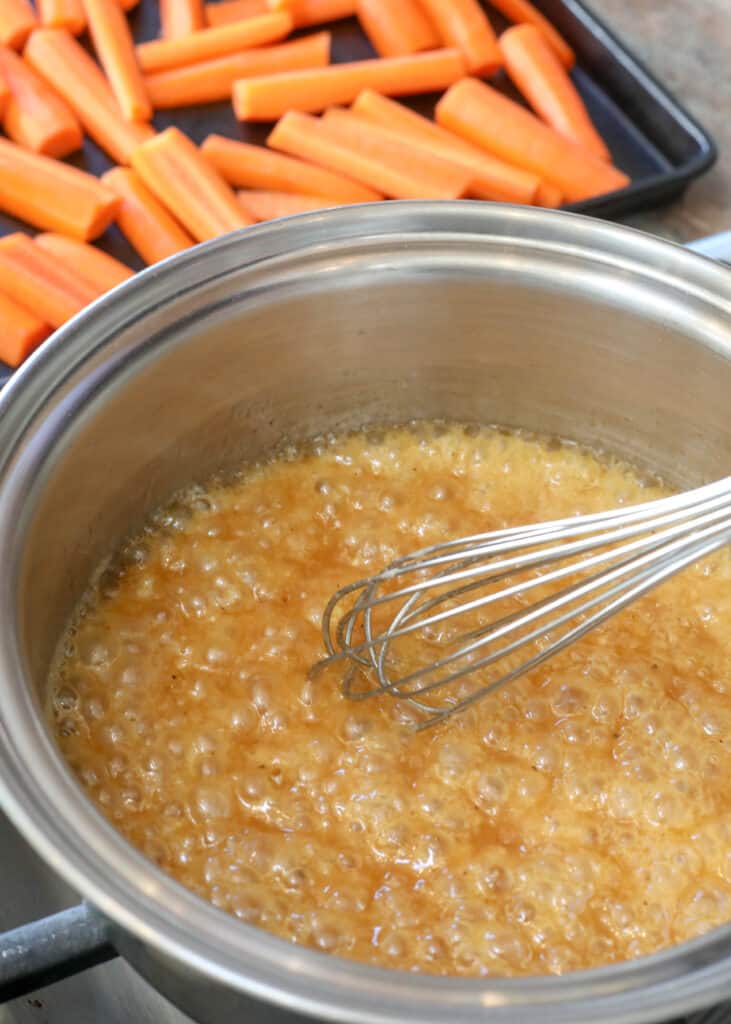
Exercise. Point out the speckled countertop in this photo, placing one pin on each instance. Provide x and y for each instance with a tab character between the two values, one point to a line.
687	45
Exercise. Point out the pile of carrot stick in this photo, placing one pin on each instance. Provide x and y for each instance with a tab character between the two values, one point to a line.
339	133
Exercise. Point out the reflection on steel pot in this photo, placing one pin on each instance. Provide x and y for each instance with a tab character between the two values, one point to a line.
470	311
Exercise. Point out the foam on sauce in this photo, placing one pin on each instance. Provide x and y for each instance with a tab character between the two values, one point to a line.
580	816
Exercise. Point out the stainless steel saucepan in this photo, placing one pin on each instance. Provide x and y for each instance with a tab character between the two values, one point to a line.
471	311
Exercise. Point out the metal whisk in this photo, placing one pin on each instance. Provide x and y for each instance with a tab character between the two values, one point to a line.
426	629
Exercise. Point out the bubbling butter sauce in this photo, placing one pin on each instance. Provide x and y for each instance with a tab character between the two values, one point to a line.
580	816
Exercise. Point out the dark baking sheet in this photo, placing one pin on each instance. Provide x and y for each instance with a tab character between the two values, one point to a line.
650	135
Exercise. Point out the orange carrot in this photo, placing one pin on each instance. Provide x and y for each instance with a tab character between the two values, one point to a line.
397	27
20	331
70	14
491	178
314	12
52	195
263	205
192	189
209	43
487	118
68	68
17	21
361	152
548	196
463	25
179	17
113	43
62	14
542	79
213	80
94	266
4	93
226	11
523	12
41	282
144	222
254	167
35	117
268	97
446	179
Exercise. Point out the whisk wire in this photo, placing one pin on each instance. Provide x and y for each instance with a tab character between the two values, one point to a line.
614	557
517	620
506	569
474	565
663	572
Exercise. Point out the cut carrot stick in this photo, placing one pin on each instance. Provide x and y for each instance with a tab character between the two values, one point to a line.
17	21
361	152
52	195
464	26
270	96
315	12
436	172
541	77
68	68
209	43
548	196
97	268
192	189
128	5
523	12
226	11
144	222
491	178
113	43
20	331
179	17
397	27
41	282
263	205
4	93
254	167
487	118
62	14
213	80
35	116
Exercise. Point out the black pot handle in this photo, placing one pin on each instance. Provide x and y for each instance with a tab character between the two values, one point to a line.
51	949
